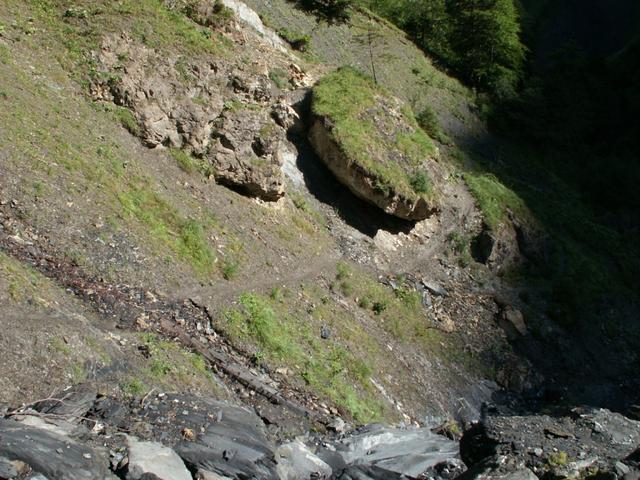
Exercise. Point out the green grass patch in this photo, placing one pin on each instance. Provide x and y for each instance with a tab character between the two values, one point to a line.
232	259
58	345
134	387
190	164
159	27
184	236
185	161
218	16
298	40
558	459
495	200
420	183
326	366
168	364
305	207
280	77
80	28
127	120
78	372
428	121
23	284
351	101
398	312
5	55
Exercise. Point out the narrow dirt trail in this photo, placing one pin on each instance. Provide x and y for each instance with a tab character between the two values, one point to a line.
225	293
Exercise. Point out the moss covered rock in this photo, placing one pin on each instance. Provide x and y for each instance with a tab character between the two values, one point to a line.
373	145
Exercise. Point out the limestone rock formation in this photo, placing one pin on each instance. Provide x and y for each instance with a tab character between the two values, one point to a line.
213	109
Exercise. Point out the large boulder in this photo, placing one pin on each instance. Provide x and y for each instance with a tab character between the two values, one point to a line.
381	452
248	152
154	458
372	144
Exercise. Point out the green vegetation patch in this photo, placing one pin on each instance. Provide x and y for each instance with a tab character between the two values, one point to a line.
81	27
185	236
128	121
160	27
428	121
366	126
167	365
327	366
23	284
280	77
310	213
298	41
495	200
398	312
218	16
232	258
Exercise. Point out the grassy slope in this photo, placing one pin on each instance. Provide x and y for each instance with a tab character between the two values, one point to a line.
71	346
366	323
588	262
399	65
54	141
68	160
56	137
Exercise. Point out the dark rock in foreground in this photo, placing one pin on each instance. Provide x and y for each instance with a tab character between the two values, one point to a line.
577	445
54	455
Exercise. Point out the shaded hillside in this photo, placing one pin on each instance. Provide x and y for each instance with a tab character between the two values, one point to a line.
600	29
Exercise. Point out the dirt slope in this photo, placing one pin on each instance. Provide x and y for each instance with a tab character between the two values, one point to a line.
365	315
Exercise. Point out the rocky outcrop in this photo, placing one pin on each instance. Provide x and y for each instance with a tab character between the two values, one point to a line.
52	454
511	243
248	150
223	112
583	444
214	439
373	145
173	102
361	182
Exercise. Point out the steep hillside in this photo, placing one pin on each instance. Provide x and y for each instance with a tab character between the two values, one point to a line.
82	190
188	275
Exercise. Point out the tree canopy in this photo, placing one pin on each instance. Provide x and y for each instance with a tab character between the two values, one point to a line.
480	39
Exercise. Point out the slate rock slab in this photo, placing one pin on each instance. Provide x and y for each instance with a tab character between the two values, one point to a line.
40	449
566	445
387	452
154	458
296	461
7	470
233	444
